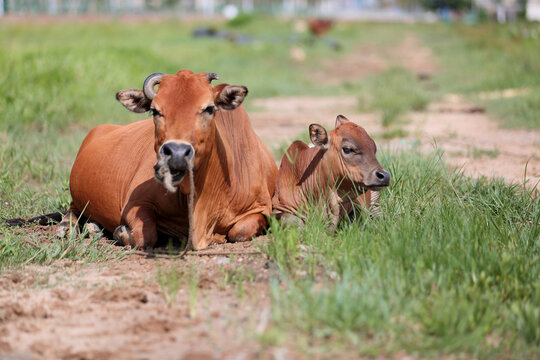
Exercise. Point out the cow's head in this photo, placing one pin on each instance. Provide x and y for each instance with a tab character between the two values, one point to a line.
183	108
350	156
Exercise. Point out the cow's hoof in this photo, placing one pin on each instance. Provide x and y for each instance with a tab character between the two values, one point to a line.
122	235
62	231
65	229
93	229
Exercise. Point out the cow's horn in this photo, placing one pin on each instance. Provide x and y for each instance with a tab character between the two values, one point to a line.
212	76
149	83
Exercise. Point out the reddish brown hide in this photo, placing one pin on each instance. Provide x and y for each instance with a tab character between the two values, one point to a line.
114	175
339	172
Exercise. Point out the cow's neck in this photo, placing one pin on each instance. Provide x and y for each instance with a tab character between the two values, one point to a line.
213	180
213	174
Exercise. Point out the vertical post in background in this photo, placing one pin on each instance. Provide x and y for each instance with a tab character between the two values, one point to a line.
2	10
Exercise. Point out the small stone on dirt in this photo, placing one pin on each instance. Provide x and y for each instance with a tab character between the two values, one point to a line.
223	260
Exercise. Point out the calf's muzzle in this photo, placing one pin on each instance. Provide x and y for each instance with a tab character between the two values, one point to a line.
377	179
383	176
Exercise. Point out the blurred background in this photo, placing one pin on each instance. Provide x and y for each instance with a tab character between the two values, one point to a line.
502	10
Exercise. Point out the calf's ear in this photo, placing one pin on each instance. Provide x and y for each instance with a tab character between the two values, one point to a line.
134	100
229	97
318	135
340	120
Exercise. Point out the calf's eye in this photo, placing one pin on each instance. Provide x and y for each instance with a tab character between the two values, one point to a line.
347	150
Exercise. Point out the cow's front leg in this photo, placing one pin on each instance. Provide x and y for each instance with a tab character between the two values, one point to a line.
139	229
247	228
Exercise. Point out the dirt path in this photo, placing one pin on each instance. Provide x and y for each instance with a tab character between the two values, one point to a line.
474	142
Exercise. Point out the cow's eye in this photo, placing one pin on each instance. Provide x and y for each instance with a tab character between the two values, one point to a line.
155	112
347	150
209	110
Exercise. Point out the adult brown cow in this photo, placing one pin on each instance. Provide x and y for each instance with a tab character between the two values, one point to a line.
113	180
339	172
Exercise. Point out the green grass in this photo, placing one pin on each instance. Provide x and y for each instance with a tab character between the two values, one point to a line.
489	57
394	93
477	153
393	133
237	277
177	276
21	248
450	268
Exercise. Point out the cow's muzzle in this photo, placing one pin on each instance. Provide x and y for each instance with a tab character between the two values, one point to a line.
172	164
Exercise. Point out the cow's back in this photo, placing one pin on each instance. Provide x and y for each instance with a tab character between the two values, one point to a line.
110	162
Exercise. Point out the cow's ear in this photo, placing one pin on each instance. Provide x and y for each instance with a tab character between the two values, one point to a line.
134	100
229	97
318	135
340	120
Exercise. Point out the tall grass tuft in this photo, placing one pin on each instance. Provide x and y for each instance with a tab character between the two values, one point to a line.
36	248
451	265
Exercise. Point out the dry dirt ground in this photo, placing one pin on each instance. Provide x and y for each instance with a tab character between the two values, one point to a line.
117	310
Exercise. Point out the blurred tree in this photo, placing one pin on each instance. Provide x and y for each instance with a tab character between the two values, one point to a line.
409	4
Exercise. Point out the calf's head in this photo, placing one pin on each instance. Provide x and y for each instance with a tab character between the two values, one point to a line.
183	109
350	156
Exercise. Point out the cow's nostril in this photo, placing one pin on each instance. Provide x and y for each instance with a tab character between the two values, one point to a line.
166	150
383	177
188	152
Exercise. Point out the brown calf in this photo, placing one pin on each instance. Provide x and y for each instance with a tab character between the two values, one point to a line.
339	172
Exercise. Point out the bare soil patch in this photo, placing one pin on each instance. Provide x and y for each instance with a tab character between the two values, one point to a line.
117	310
475	143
